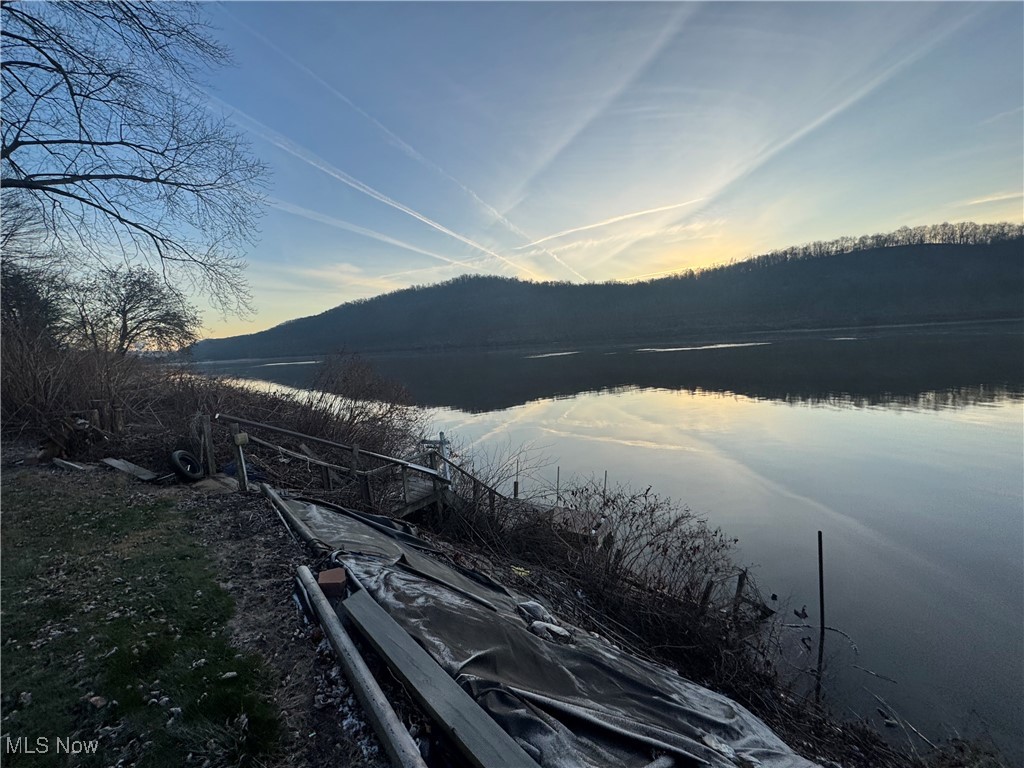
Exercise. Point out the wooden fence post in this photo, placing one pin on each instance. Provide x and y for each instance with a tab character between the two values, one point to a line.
240	473
355	460
211	461
705	598
362	479
117	419
103	409
741	582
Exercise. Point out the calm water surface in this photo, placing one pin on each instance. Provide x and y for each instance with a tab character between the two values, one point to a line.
906	450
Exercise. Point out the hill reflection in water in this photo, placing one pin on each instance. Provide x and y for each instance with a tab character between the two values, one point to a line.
918	371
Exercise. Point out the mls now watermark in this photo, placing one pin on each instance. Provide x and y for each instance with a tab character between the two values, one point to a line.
22	745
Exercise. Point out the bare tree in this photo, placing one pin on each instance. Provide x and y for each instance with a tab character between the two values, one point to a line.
105	132
123	309
31	299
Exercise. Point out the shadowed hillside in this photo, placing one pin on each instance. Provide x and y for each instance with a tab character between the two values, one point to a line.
877	282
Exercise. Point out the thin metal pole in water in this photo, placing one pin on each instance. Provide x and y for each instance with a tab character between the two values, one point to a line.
558	483
821	614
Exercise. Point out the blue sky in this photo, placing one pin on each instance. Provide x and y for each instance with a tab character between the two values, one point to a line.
413	142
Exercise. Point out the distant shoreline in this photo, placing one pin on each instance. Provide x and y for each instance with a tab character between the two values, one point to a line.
695	338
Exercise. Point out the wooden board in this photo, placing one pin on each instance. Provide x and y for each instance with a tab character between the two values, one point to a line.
420	494
480	740
71	465
132	469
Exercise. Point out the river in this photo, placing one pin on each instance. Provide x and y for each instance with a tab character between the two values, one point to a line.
904	446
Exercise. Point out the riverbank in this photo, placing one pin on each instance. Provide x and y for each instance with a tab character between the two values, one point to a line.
807	730
159	625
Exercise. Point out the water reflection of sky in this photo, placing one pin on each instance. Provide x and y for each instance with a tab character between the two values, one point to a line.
921	512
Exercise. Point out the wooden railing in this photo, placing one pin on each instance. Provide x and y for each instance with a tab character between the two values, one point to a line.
431	465
478	486
388	464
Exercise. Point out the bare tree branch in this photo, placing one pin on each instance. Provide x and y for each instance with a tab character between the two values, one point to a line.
103	133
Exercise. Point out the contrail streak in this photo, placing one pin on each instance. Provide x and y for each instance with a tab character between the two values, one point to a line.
996	198
397	140
768	152
308	157
612	220
662	39
323	218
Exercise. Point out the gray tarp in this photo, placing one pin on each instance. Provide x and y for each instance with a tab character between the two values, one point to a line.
584	704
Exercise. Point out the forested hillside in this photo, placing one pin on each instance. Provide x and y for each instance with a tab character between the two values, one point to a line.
928	274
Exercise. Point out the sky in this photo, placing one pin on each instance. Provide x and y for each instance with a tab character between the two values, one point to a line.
410	143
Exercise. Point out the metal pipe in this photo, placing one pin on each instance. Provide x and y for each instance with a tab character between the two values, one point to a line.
395	739
821	617
281	430
297	525
294	455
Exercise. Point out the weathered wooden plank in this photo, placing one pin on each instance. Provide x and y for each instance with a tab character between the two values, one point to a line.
480	740
70	465
132	469
419	487
415	505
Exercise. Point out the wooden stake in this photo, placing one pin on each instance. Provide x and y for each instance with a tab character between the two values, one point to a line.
104	413
240	473
117	420
741	582
705	598
211	461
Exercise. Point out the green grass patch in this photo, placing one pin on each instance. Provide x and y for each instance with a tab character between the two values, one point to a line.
114	628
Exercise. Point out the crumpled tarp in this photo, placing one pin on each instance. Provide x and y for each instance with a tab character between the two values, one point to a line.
582	704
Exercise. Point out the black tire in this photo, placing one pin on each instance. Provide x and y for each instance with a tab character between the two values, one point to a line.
187	466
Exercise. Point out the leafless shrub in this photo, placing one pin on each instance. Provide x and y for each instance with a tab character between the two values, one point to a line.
350	402
161	404
43	384
638	559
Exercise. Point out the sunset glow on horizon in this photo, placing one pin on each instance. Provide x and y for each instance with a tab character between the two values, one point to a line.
410	143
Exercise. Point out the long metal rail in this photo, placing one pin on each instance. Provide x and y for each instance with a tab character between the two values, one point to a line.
351	448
